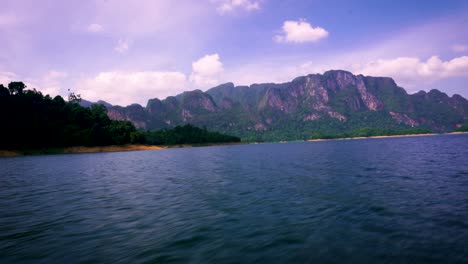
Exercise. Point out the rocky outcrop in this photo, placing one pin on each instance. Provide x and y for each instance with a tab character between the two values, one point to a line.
198	100
403	118
339	97
186	115
311	117
369	99
337	115
260	127
226	103
134	113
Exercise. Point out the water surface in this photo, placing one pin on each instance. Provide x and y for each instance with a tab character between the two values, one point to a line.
362	201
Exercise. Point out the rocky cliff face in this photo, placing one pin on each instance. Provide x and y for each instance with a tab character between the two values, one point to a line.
307	104
134	113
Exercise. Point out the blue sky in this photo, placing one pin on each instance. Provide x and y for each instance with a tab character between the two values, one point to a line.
130	51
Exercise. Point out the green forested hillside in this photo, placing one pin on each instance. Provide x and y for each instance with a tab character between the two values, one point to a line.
334	104
31	120
186	134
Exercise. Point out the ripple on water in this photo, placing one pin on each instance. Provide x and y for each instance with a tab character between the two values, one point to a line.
390	200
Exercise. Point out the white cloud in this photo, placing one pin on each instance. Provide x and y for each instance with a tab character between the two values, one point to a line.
264	72
122	46
412	71
206	70
459	48
124	88
50	83
94	28
228	6
7	77
299	32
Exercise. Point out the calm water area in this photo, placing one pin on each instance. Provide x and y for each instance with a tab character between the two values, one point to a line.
392	200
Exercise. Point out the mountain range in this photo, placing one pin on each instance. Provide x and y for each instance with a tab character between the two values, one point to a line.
317	104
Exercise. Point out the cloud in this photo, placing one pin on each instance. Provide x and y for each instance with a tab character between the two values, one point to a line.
7	77
124	88
263	72
122	46
300	32
459	48
94	28
206	70
50	83
228	6
412	71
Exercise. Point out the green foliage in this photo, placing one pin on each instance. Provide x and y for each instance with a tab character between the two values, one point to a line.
74	98
31	120
463	128
186	134
4	91
16	87
358	124
372	132
346	100
302	109
437	108
120	131
393	97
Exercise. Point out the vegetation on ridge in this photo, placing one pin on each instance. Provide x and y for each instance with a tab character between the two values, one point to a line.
463	128
334	104
31	120
186	134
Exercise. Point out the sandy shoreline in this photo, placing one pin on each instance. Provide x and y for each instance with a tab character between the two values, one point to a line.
206	145
466	132
99	149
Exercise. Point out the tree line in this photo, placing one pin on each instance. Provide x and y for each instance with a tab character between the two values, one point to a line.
186	134
31	120
372	132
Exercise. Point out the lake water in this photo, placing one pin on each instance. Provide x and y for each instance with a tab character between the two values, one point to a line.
350	201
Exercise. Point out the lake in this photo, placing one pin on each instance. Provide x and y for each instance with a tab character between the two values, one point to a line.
354	201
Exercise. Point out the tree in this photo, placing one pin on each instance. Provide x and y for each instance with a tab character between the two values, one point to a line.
59	100
4	91
74	98
16	87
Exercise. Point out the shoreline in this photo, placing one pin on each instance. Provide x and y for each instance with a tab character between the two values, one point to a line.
122	148
78	150
389	136
205	145
103	149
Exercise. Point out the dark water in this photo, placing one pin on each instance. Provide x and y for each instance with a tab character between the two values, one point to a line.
357	201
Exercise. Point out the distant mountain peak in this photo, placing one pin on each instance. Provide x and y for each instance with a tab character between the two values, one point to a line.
316	103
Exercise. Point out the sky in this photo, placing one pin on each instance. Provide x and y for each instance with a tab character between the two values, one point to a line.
127	52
